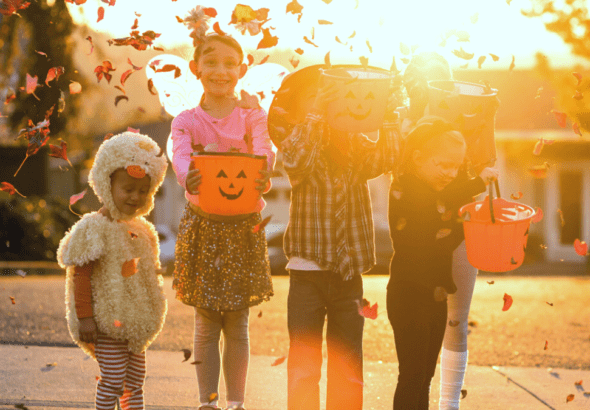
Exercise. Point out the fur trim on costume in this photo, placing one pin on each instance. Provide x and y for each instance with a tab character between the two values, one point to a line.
121	151
129	308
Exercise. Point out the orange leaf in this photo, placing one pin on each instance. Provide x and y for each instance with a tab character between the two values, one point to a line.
268	40
570	397
12	300
308	41
7	187
507	302
327	60
278	361
299	51
294	7
560	212
119	98
250	59
53	74
366	310
561	118
578	383
60	152
260	314
117	323
546	345
463	54
324	22
126	75
151	87
100	14
538	147
581	247
135	24
264	60
218	29
210	11
294	62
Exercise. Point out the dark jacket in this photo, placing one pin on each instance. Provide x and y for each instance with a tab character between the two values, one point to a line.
417	216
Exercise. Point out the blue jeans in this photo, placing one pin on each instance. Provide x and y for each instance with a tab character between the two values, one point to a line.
312	296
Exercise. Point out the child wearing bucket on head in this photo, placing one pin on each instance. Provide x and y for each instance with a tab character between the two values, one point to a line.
330	236
222	266
115	302
425	230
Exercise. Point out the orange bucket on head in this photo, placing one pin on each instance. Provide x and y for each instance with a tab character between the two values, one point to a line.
496	232
228	184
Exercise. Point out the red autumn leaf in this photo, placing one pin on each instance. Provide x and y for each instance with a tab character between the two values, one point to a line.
151	87
578	383
581	247
570	397
8	187
10	7
100	14
512	65
91	45
210	11
538	216
135	24
60	152
460	53
576	129
53	74
187	354
32	149
308	41
218	29
103	70
516	196
294	8
299	51
250	58
170	67
262	224
294	62
579	78
9	98
126	75
31	84
75	87
75	198
561	118
546	345
119	98
268	40
179	19
507	302
278	361
264	60
366	310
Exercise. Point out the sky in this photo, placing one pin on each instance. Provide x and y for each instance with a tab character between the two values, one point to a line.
493	26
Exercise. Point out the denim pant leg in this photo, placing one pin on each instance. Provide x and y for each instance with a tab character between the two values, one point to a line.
345	344
208	324
236	353
306	312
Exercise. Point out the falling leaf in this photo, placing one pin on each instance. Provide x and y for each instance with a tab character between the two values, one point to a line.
53	74
60	152
507	302
352	35
299	51
119	98
7	187
570	397
179	19
268	40
464	66
327	62
539	171
454	323
151	87
9	98
294	62
104	70
10	7
549	303
516	196
480	61
369	45
135	24
462	36
51	364
405	50
490	282
210	11
126	75
187	354
133	235
576	129
294	7
118	323
443	233
118	87
213	396
364	61
546	345
197	362
579	77
75	198
512	65
12	300
474	18
261	225
494	57
366	310
581	247
31	85
218	29
463	393
324	22
260	314
538	147
264	60
308	41
463	54
578	383
561	118
340	41
100	14
278	361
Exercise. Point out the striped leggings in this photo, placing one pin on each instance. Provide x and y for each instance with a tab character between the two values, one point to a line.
122	374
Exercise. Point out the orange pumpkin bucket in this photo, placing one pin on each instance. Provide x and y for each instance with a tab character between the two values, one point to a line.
496	232
227	181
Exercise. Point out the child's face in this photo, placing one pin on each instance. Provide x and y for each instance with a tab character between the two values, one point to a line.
219	68
129	194
438	169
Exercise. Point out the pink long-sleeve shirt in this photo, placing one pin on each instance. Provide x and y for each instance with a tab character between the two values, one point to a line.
195	126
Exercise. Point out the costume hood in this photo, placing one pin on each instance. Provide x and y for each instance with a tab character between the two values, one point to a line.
121	151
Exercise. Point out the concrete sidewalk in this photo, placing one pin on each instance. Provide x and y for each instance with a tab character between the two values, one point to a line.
26	379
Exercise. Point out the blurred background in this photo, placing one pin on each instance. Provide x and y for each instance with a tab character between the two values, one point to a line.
534	52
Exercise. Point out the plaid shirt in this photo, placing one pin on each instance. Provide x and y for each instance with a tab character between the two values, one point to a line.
330	219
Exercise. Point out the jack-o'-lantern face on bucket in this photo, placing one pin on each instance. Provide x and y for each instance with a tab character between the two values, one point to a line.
359	107
231	187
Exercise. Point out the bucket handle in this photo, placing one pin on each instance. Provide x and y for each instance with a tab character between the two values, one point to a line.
491	198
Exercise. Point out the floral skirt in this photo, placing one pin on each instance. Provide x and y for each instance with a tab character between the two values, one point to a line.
221	263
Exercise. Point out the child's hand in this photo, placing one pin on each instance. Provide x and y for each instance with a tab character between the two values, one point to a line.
248	100
489	174
326	94
262	183
440	294
193	180
88	330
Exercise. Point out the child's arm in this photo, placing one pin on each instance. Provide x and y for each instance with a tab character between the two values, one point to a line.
181	147
83	301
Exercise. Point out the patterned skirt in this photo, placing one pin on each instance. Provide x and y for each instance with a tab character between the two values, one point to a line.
221	263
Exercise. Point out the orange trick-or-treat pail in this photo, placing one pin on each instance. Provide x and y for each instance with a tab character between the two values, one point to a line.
228	184
496	233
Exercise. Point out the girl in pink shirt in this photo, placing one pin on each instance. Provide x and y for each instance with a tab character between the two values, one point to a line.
222	265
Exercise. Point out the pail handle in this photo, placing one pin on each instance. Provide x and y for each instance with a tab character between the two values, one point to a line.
491	198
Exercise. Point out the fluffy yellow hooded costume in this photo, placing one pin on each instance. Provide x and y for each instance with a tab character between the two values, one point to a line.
129	308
